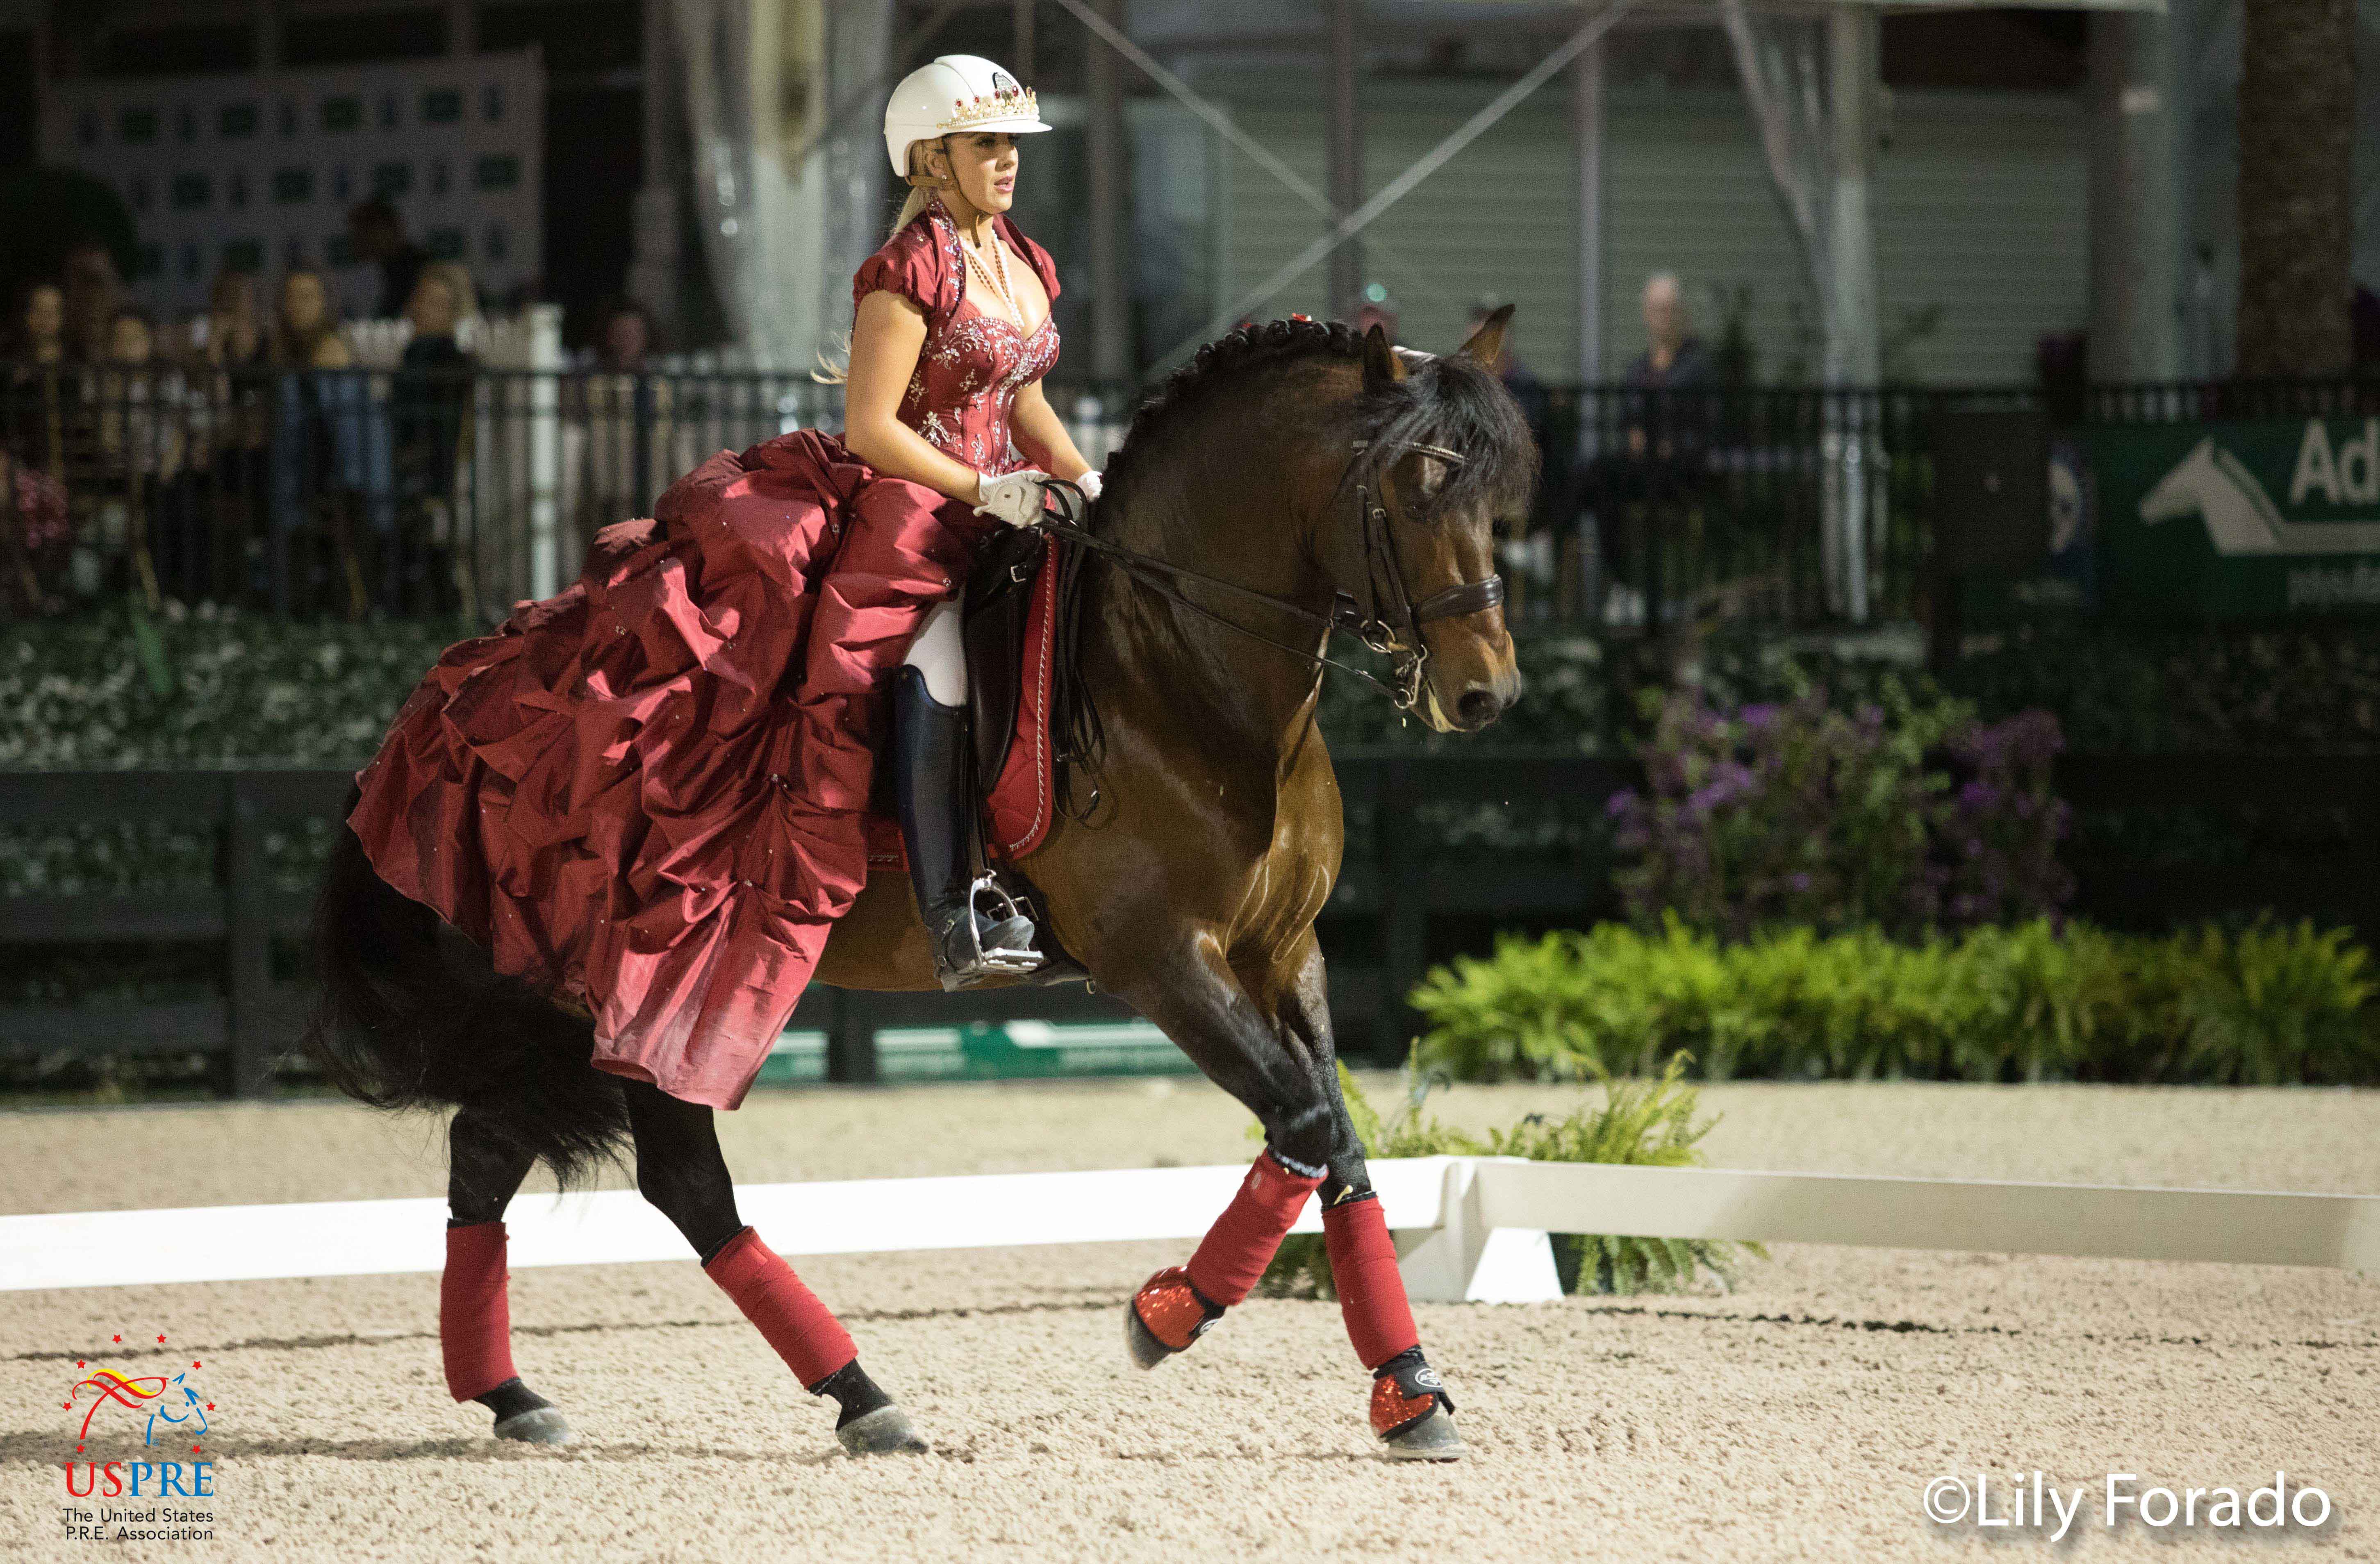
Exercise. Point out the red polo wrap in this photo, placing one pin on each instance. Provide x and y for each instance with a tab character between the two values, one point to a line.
804	1332
1241	1242
475	1321
1371	1290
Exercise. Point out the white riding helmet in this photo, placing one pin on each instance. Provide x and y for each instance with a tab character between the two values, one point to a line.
954	93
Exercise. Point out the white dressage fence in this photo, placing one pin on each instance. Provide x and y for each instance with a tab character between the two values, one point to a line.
1468	1229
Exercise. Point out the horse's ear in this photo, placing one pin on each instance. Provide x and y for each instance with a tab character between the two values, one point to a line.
1382	365
1486	346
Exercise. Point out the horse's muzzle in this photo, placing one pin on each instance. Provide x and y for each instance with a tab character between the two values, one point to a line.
1481	703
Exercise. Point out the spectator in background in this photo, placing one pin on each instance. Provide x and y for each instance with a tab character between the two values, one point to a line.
34	421
37	531
144	515
232	350
431	391
376	235
624	337
601	423
305	335
93	292
1665	416
36	332
231	335
329	454
1668	381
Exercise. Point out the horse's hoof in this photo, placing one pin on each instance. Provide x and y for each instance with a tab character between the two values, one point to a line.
1177	1316
539	1426
1428	1438
885	1431
1146	1351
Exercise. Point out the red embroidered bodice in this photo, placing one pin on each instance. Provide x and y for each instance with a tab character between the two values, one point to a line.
972	365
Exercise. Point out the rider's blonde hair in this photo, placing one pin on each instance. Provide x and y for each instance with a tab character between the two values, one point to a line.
923	188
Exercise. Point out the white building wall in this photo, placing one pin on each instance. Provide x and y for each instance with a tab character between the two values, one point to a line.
1979	210
259	170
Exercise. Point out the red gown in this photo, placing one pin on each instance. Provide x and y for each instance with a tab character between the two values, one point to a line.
645	794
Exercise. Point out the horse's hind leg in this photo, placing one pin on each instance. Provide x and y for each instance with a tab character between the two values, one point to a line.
682	1172
483	1170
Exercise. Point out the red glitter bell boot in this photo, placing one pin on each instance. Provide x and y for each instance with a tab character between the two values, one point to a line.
1178	1303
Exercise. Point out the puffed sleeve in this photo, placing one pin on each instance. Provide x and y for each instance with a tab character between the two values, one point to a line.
1043	267
911	264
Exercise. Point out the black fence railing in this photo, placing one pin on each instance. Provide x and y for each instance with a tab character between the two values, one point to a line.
404	492
457	491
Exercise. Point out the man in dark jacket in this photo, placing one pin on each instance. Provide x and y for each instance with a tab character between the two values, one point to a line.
377	233
1664	421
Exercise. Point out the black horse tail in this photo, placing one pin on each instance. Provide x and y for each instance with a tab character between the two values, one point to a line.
413	1015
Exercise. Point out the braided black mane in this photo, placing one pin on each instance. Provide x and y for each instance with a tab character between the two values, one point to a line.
1447	401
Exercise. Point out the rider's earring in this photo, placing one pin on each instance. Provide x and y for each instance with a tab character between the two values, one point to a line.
928	180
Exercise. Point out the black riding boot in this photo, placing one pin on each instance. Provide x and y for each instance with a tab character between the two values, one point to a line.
977	931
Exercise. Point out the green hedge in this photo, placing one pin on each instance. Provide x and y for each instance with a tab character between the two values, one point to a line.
2033	1002
1650	1122
236	690
224	687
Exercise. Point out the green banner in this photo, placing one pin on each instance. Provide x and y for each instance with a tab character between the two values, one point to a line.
2263	520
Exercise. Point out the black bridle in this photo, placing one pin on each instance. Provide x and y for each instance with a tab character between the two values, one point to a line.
1391	627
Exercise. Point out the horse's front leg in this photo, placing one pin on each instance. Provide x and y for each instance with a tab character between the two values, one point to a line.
1261	1039
682	1172
1410	1411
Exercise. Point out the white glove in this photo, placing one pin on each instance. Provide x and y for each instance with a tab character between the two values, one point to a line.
1090	484
1014	497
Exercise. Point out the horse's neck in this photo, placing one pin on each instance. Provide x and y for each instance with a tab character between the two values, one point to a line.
1259	694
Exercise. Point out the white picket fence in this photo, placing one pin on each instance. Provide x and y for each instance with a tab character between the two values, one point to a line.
1468	1229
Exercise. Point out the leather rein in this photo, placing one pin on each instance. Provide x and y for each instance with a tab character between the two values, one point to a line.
1395	633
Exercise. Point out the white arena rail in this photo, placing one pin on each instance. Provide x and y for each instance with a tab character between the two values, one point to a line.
1468	1229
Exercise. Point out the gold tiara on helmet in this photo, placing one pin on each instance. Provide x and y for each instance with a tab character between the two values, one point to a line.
999	104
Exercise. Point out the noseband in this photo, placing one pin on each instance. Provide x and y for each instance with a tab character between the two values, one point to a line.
1392	626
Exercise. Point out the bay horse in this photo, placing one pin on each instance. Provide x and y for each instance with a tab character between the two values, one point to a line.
1291	477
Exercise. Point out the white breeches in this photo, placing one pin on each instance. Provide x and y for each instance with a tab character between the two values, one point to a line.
941	654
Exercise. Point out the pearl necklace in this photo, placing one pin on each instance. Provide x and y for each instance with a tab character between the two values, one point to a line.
1000	284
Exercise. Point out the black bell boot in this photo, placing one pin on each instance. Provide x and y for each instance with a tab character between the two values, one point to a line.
979	931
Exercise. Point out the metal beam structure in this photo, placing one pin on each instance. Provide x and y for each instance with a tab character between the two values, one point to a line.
1109	148
1398	189
1586	127
1344	137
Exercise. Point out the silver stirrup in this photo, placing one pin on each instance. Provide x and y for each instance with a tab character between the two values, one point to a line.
1001	960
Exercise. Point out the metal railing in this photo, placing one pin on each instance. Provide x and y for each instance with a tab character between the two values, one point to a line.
455	490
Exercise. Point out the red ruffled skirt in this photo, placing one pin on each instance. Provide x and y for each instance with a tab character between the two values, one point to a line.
646	793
